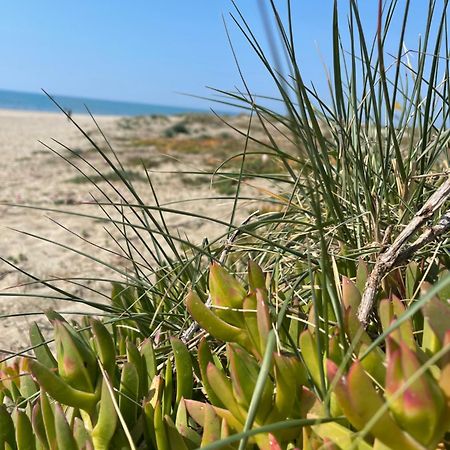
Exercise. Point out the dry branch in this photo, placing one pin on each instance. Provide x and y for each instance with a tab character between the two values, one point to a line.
399	252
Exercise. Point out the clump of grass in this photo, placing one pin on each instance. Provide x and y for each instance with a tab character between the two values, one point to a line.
20	258
112	176
176	129
197	180
206	145
137	122
148	162
226	185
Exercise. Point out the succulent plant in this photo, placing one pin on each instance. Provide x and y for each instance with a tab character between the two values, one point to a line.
89	395
103	387
409	409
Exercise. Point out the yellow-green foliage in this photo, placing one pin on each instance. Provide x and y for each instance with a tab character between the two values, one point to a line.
103	390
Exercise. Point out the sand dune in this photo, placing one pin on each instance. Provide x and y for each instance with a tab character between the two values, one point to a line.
31	175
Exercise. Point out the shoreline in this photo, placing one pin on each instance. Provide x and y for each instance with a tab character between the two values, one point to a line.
34	113
43	102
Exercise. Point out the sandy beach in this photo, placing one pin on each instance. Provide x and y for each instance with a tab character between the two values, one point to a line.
30	174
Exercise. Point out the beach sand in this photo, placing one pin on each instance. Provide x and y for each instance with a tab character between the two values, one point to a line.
32	175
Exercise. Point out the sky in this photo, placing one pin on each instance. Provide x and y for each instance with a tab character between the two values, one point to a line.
151	50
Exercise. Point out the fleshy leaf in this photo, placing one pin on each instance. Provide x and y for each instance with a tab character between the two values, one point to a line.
263	318
418	408
222	387
256	278
309	351
7	431
77	364
104	345
183	366
437	313
60	390
360	402
211	426
225	290
64	436
129	390
107	420
351	297
362	273
214	325
174	437
40	348
204	358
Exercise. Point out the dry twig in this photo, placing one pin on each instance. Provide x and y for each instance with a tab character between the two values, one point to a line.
399	251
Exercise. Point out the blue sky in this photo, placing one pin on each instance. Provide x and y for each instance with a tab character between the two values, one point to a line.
147	50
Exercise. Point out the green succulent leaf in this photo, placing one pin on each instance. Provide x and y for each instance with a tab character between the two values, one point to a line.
174	437
64	436
224	289
196	410
135	357
308	348
77	364
48	417
244	371
183	366
211	426
40	348
223	388
359	402
107	419
129	393
148	353
38	425
191	438
149	421
82	436
419	407
362	273
104	345
204	358
251	324
389	310
412	278
341	436
162	441
263	318
437	313
351	296
24	432
60	390
7	429
214	325
373	363
290	375
256	278
168	389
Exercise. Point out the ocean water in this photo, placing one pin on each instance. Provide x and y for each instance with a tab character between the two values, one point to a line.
40	102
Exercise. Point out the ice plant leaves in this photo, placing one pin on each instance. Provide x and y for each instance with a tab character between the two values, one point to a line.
418	403
212	323
390	400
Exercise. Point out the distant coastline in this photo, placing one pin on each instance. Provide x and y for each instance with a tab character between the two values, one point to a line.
29	101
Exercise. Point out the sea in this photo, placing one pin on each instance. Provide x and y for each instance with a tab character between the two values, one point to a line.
41	102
